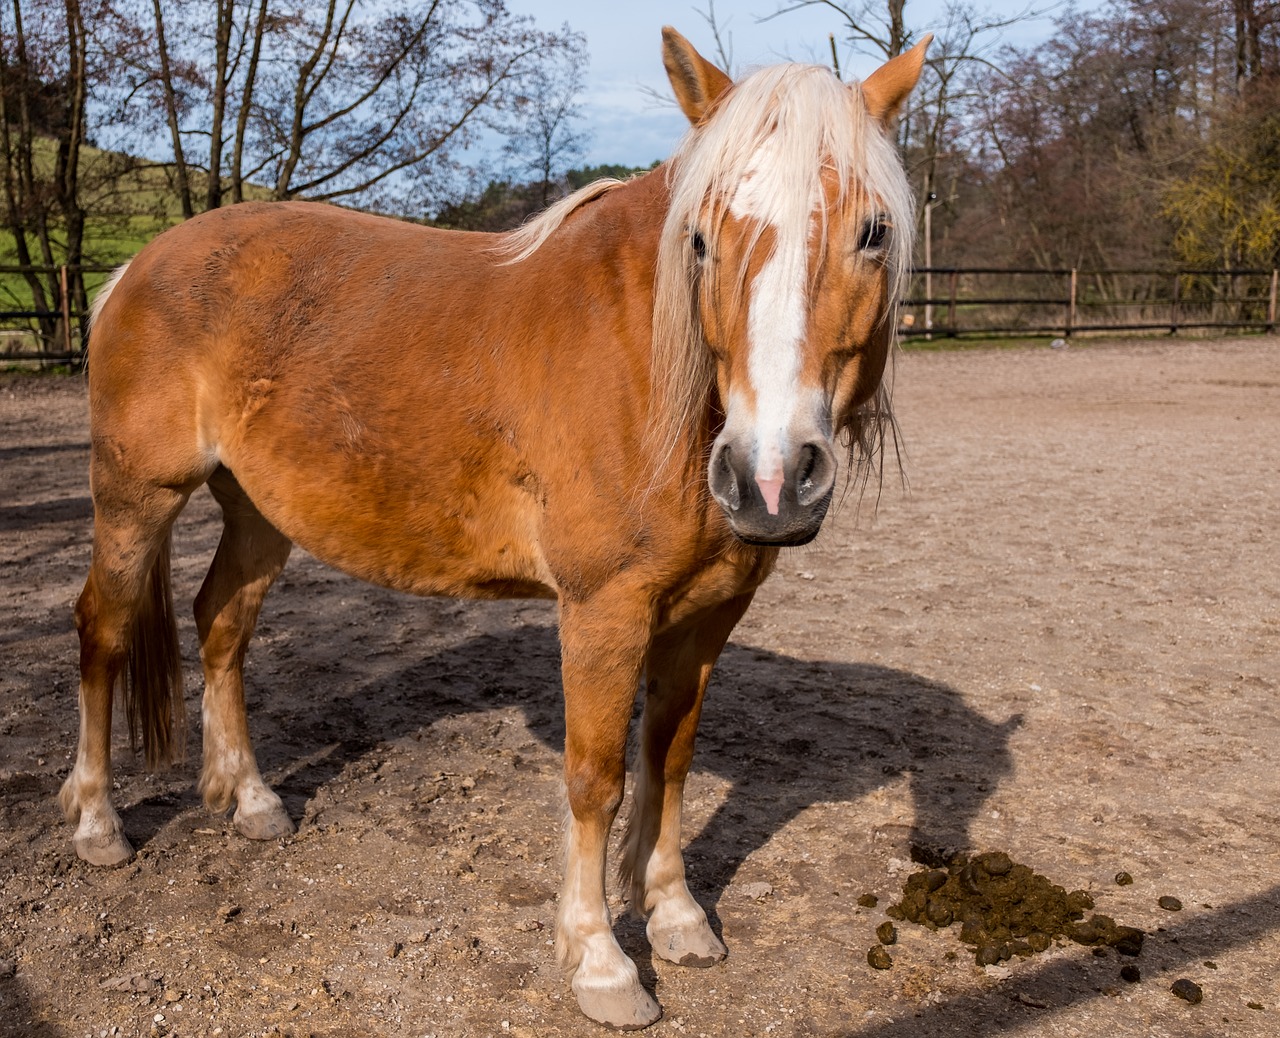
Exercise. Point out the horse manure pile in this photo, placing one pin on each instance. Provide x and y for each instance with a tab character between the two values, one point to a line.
1005	909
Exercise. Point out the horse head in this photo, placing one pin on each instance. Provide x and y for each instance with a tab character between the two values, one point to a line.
789	237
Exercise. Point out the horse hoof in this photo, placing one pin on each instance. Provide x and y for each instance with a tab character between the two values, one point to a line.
694	946
264	825
626	1009
104	850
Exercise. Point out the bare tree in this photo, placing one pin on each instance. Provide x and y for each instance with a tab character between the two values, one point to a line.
337	100
545	138
871	26
43	93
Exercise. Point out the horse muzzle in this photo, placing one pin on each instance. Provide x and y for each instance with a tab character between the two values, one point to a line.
779	501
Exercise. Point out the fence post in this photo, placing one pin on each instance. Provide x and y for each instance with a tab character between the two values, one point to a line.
1271	302
1071	306
1173	305
66	308
952	330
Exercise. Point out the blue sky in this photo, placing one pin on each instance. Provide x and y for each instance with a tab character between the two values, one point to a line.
624	40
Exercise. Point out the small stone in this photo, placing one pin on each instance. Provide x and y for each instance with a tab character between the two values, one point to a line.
228	912
1210	964
1130	973
138	983
1188	991
529	925
756	891
868	901
1123	879
1170	904
1254	1005
886	933
172	995
393	952
878	958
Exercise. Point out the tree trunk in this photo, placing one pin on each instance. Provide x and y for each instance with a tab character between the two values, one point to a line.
246	100
222	44
171	115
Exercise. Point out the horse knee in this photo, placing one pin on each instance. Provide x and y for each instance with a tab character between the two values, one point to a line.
595	789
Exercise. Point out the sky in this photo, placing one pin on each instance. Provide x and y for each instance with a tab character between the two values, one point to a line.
629	126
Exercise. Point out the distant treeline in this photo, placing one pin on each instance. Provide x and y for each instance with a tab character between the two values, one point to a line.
1144	133
503	205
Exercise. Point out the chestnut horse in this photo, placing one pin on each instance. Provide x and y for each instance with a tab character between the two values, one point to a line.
628	406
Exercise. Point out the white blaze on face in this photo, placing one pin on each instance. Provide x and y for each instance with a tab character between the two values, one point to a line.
778	312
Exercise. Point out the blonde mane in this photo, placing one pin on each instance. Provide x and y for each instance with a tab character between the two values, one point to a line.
104	293
811	123
526	239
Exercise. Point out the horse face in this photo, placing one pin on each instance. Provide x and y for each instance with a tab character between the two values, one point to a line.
800	332
785	187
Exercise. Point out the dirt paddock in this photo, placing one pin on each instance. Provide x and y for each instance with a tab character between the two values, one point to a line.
1063	642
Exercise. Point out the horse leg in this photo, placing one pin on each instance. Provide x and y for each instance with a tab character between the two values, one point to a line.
250	556
678	668
125	621
602	651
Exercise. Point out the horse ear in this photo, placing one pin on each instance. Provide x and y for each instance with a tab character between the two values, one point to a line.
698	83
884	91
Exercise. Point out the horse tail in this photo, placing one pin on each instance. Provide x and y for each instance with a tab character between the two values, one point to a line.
153	694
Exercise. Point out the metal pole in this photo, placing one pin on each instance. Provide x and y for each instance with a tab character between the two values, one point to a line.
930	197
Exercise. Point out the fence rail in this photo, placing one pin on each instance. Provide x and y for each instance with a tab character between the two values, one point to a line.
978	301
941	302
50	333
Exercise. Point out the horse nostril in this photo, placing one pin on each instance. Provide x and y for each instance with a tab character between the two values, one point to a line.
815	473
724	481
808	460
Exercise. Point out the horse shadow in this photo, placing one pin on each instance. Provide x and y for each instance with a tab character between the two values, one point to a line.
783	733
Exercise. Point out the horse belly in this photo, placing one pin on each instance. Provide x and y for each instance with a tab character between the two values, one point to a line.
427	510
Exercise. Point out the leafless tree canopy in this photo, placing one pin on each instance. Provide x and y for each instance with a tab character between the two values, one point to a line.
1143	133
325	99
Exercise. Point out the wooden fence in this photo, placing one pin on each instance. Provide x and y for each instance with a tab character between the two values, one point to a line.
989	301
942	302
53	333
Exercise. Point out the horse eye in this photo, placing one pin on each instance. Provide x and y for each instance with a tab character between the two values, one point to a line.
874	232
699	245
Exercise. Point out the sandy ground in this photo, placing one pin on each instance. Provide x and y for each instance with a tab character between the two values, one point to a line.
1062	642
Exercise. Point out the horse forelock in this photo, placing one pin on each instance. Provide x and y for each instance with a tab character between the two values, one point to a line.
790	125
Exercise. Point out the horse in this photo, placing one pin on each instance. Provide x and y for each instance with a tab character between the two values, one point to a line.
628	405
